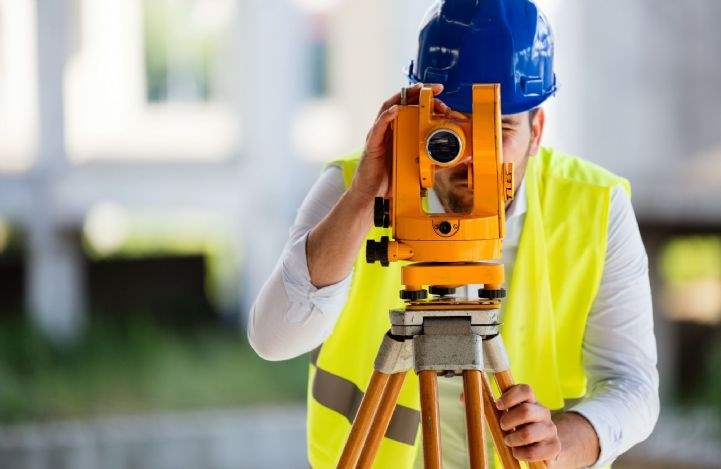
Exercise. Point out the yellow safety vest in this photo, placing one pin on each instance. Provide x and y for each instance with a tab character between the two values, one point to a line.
556	275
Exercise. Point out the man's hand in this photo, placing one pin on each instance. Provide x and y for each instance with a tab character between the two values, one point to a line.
331	252
373	175
530	432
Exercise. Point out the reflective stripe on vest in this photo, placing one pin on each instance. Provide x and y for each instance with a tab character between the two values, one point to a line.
556	274
344	397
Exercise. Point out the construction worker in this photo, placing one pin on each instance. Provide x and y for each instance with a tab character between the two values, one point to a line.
578	321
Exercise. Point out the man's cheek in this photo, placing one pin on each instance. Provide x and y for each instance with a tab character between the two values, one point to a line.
511	152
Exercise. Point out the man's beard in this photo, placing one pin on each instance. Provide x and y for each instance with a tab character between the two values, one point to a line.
461	201
455	202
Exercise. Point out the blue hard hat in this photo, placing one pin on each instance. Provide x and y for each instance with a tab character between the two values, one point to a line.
462	42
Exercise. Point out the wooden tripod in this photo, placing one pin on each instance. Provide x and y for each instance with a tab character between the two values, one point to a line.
379	401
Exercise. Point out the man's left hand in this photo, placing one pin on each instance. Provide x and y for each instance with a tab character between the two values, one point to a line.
529	430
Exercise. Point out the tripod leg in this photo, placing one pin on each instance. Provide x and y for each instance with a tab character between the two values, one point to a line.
505	381
430	419
497	360
363	419
493	417
474	418
383	418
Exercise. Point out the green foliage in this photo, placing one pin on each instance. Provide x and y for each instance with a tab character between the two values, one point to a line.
136	366
711	393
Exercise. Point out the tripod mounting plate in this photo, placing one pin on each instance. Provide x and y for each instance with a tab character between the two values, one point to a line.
448	353
410	322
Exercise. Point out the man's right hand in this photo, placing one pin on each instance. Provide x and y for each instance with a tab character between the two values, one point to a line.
373	174
331	252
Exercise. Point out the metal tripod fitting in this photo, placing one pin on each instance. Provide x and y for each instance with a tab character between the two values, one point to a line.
494	354
395	354
406	322
448	345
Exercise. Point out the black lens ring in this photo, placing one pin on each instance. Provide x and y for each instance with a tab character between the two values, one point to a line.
444	153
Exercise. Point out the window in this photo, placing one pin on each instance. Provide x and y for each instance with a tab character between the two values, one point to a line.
148	80
18	85
182	40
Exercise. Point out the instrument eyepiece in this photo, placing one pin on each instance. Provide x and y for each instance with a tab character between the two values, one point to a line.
444	146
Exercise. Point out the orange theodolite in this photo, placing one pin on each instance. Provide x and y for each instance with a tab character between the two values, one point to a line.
447	245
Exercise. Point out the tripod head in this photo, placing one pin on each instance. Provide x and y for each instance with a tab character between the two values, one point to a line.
448	244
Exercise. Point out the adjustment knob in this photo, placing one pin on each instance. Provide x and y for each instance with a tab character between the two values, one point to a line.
377	251
491	294
442	291
381	212
445	227
414	295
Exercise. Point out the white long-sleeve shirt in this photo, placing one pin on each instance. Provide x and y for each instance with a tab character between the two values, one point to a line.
291	317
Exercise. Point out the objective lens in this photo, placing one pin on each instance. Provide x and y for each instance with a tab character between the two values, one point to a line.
443	146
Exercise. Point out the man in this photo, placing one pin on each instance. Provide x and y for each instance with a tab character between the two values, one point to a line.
578	320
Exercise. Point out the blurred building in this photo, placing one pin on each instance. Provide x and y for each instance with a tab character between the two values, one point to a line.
638	95
149	125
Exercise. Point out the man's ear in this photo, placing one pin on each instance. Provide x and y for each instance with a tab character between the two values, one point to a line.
537	124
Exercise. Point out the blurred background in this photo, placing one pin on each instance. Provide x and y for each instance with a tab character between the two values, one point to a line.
153	154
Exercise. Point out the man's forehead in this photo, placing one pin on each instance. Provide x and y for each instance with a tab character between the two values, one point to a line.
514	117
508	118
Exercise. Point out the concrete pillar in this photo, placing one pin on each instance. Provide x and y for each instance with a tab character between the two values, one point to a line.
54	271
269	83
55	276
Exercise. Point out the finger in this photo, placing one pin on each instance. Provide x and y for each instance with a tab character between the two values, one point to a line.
531	433
411	92
522	414
514	396
439	107
378	131
543	451
457	115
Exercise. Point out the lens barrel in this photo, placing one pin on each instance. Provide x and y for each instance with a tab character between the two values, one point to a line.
443	146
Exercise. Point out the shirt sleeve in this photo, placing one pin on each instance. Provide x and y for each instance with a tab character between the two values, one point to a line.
291	316
619	349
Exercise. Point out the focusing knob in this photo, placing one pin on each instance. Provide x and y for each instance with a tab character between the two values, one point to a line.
414	295
377	251
491	294
442	291
381	212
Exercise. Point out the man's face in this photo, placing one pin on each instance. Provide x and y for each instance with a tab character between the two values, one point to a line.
521	139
